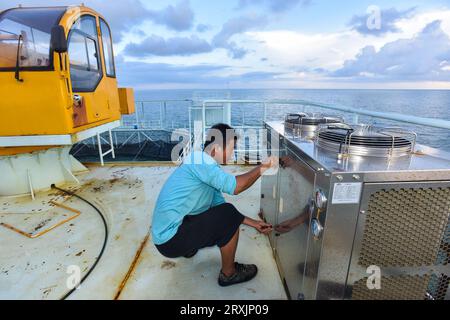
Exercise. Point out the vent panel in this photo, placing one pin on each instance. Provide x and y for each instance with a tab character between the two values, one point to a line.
407	228
393	288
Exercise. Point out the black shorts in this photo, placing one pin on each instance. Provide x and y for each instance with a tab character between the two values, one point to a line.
214	227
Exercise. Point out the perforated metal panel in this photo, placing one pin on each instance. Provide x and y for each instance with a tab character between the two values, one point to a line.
438	287
393	288
407	228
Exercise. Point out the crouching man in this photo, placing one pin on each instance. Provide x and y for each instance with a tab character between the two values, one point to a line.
191	212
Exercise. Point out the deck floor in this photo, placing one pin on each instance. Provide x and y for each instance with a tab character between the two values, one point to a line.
38	268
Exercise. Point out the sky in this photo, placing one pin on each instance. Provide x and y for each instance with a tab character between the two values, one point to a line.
225	44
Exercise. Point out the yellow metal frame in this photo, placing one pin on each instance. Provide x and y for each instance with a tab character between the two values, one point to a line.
39	234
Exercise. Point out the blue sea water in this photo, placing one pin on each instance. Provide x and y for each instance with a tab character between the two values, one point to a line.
424	103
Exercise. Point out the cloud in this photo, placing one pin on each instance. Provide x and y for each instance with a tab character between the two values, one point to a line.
421	58
179	17
388	21
257	76
158	46
138	74
320	50
274	5
234	27
141	75
203	28
121	16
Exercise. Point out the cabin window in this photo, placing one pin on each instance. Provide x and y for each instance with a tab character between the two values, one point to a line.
27	31
107	49
85	68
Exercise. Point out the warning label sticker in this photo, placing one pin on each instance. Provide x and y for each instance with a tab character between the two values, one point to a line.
346	193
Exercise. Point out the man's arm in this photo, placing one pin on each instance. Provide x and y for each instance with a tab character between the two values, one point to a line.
246	180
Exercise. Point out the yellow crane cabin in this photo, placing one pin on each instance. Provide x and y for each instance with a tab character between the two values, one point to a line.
58	85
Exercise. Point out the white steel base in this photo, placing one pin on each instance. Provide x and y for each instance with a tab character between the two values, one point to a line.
31	172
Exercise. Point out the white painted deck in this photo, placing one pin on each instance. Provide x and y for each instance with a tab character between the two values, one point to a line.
37	268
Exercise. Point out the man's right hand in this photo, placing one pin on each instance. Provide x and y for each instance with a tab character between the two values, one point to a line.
246	180
270	162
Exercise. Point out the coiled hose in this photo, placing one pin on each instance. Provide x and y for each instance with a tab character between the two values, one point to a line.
104	241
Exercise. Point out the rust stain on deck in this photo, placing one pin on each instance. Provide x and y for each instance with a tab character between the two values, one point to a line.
167	265
131	268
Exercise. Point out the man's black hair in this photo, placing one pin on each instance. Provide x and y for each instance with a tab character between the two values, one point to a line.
227	132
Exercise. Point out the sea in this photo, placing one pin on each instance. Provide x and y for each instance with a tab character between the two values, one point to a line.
422	103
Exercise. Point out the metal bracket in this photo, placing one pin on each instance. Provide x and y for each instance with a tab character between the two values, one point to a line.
30	183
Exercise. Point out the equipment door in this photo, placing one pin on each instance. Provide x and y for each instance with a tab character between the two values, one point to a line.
296	181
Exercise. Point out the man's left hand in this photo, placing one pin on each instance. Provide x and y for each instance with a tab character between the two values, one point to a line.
263	227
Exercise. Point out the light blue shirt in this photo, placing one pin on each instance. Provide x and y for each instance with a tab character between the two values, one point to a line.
193	188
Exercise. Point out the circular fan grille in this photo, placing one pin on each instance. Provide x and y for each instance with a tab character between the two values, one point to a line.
366	140
305	122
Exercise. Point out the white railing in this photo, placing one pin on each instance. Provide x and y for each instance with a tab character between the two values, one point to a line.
154	115
167	116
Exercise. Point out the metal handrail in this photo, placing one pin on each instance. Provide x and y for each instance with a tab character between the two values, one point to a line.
429	122
140	104
164	100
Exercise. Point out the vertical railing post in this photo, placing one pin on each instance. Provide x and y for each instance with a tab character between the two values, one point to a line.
160	114
203	122
190	119
226	109
264	112
163	115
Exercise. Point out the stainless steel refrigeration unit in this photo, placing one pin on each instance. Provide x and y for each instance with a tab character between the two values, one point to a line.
374	201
